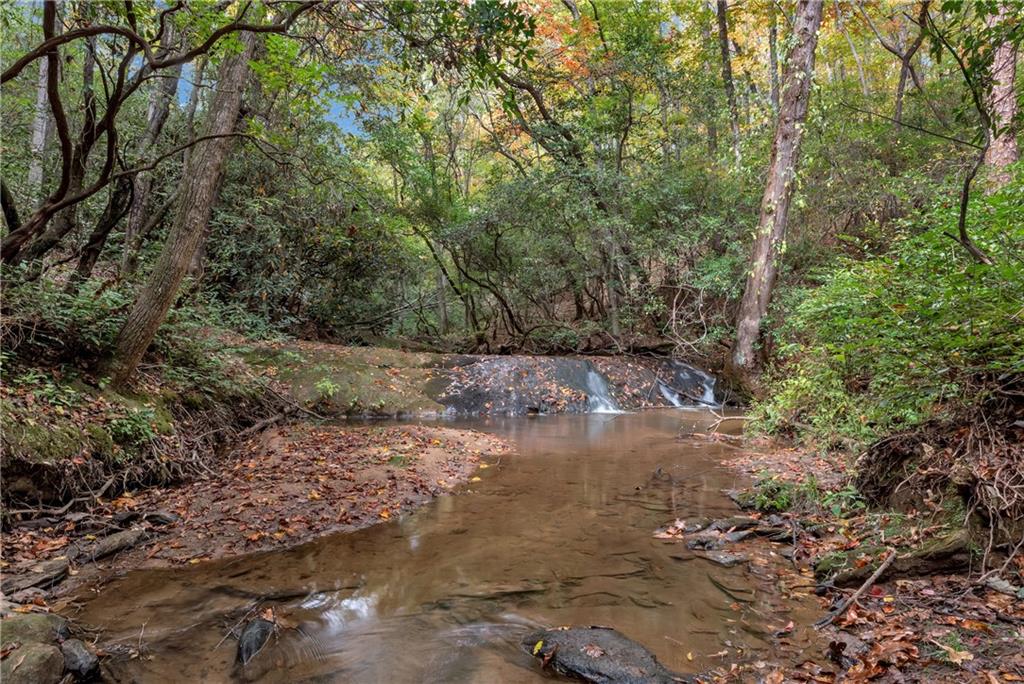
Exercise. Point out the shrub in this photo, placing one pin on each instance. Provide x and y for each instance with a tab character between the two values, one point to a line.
892	341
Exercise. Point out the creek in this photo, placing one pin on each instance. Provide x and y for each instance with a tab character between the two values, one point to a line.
558	533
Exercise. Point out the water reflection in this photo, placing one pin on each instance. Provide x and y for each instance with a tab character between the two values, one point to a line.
559	533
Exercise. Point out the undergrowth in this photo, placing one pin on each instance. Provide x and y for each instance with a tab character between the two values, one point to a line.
67	431
894	341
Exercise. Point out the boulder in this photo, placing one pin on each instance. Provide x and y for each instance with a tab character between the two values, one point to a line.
79	660
28	628
601	655
32	663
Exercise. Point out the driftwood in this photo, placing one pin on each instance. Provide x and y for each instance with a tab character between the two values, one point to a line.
849	600
51	572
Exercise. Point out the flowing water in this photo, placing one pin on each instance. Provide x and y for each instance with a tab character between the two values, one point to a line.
558	533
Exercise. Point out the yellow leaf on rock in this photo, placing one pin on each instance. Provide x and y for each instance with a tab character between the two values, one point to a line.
474	479
536	647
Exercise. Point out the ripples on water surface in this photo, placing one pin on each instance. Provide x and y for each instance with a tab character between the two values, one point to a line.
559	533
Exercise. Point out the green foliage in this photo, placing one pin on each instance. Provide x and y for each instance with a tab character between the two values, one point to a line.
891	341
40	317
134	428
327	388
772	494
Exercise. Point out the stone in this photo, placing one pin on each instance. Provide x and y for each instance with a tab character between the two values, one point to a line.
705	540
28	628
740	535
254	637
736	522
598	654
79	660
32	663
724	558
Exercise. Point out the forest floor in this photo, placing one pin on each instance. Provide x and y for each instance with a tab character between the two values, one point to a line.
928	617
284	487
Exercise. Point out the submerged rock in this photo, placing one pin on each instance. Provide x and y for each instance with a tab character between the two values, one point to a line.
254	637
601	655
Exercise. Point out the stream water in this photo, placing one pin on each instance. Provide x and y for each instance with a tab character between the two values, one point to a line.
558	533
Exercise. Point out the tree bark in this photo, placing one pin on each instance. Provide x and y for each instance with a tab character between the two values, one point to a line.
730	87
198	194
1002	151
67	220
40	126
117	206
160	100
771	226
773	60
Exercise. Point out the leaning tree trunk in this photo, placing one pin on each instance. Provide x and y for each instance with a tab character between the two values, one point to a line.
1002	151
117	206
67	219
197	196
156	116
771	227
40	123
730	86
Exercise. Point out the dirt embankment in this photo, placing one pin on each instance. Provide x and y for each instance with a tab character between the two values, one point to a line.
907	595
287	486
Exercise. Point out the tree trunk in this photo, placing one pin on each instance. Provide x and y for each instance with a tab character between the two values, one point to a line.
198	194
40	125
730	88
117	206
156	116
901	87
771	227
1003	107
773	60
67	220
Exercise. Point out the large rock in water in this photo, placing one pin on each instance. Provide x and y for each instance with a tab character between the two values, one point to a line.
32	663
598	654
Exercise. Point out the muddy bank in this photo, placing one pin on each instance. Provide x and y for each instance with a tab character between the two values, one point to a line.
285	487
556	535
903	594
377	382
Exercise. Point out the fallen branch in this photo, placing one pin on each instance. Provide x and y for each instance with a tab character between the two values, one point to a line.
848	601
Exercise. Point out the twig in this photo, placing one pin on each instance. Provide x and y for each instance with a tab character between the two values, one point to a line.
828	619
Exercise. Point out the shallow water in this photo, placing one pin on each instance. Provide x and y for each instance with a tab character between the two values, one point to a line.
558	533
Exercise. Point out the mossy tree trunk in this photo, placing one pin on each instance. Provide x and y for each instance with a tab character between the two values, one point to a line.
196	198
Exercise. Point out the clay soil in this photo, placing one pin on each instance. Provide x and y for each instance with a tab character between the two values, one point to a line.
285	487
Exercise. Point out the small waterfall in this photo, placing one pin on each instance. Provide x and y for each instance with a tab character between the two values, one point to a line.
671	396
694	376
599	398
709	391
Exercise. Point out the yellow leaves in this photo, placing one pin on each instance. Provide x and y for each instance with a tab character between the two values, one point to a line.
953	655
484	465
314	495
689	656
385	514
537	646
474	479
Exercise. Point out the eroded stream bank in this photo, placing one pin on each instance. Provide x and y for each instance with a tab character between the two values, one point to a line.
560	533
